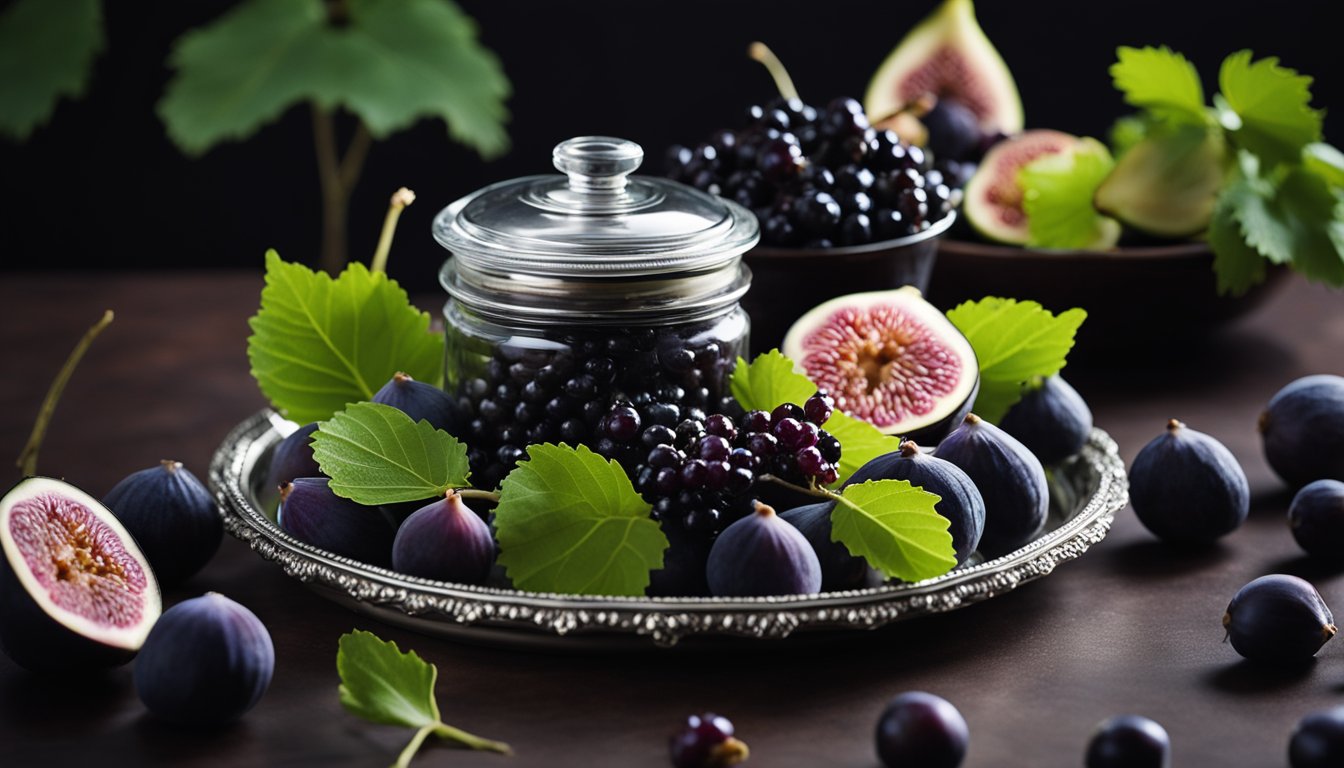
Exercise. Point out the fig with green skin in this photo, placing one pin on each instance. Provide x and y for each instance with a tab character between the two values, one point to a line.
312	513
293	457
1166	184
762	555
444	540
840	570
172	516
1009	477
1278	619
1302	429
890	358
993	197
959	500
1187	488
207	661
1051	419
76	592
948	54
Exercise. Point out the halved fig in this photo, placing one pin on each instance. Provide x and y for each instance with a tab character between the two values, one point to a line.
948	54
993	198
890	358
76	592
1166	184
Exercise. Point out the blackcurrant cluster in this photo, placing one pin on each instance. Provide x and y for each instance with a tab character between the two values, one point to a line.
700	473
559	392
819	178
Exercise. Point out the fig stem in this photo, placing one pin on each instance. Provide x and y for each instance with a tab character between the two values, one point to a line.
476	493
27	462
762	53
400	199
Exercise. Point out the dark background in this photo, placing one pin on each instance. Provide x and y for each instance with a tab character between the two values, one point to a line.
101	186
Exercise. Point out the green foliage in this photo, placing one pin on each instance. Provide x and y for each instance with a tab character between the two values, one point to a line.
893	525
391	63
1270	108
318	344
47	48
1015	341
569	521
375	454
1160	81
1057	192
383	685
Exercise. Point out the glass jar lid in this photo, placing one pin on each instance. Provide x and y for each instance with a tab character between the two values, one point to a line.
595	222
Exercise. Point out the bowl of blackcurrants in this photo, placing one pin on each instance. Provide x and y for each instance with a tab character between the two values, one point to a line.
843	206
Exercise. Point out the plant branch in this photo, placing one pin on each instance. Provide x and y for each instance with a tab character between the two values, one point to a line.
335	196
355	154
27	462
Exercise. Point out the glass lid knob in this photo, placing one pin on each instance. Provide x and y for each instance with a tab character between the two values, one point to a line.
597	164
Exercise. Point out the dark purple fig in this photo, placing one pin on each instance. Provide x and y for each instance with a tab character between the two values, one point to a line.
762	555
446	541
920	729
1129	741
76	592
840	570
1278	619
1009	477
1316	518
1051	419
1303	430
312	513
207	661
1187	488
173	518
293	457
420	401
961	502
1318	740
684	565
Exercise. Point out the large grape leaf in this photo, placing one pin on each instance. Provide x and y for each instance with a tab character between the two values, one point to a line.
392	63
47	48
569	521
375	454
318	344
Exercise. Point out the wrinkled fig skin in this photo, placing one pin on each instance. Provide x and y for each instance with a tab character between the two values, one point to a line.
38	643
921	729
1187	488
1009	477
1303	430
839	569
173	518
762	555
207	661
684	566
445	540
293	457
961	502
1278	619
420	401
934	433
1052	420
1318	740
310	512
1129	741
1316	518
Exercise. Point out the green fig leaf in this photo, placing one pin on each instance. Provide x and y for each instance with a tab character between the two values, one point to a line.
47	48
569	521
894	526
318	344
768	382
1057	192
375	454
1162	82
1266	108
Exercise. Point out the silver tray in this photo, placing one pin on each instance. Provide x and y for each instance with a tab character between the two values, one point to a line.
1086	492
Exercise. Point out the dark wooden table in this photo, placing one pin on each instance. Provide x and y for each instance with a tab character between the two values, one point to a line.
1133	626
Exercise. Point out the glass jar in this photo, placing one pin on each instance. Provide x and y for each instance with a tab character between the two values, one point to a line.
571	294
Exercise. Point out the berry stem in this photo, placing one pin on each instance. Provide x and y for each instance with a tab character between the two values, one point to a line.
476	493
27	462
400	199
762	53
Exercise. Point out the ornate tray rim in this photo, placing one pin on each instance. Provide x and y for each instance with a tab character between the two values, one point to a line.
496	615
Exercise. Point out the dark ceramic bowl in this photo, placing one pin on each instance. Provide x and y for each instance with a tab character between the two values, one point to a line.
787	282
1134	296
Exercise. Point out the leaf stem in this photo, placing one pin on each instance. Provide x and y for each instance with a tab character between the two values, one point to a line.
404	759
476	493
27	461
400	199
470	740
762	53
810	490
335	196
